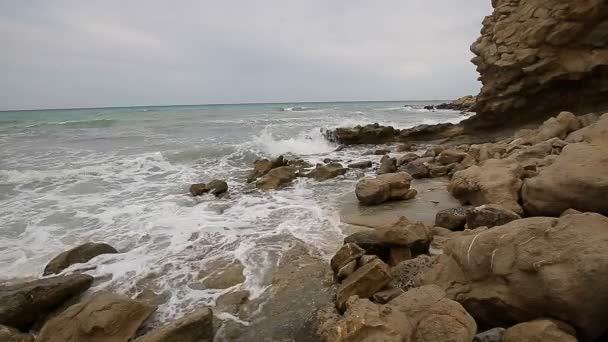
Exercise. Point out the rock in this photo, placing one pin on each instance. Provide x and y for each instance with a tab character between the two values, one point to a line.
492	335
492	182
276	178
263	166
361	165
416	170
420	315
8	334
429	107
450	156
529	269
408	147
77	255
570	212
538	58
489	215
223	278
387	165
364	282
438	170
440	231
217	187
414	235
381	152
539	331
347	253
194	327
578	178
21	305
409	157
463	104
405	274
328	171
102	317
453	218
366	259
391	186
399	254
387	295
369	134
368	240
346	270
198	189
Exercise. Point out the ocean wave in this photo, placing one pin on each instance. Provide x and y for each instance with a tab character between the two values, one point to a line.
297	109
94	123
305	143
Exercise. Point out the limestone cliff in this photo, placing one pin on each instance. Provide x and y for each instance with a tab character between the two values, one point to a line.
539	57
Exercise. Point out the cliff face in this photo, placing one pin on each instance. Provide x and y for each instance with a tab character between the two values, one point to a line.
539	57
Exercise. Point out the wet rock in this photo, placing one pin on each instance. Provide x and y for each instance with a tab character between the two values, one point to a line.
364	282
391	186
199	189
416	169
414	235
194	327
540	330
368	240
407	147
453	218
102	317
406	272
224	277
529	269
385	296
22	304
217	187
77	255
276	178
450	156
492	335
361	165
438	170
381	152
369	134
421	314
232	302
489	215
387	165
8	334
328	171
347	253
346	270
409	157
263	166
492	182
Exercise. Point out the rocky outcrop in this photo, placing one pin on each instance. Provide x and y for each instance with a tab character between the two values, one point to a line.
263	166
216	187
276	178
194	327
530	269
540	330
328	171
21	305
369	134
391	186
464	104
102	317
538	57
76	255
413	235
578	178
363	282
420	315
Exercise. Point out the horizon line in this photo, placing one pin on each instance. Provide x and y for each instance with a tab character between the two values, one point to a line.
212	104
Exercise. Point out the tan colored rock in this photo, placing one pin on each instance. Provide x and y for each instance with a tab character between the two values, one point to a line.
347	253
453	218
540	331
403	232
399	254
328	171
420	315
22	304
76	255
104	317
364	282
405	274
223	277
450	156
8	334
276	178
529	269
194	327
391	186
387	165
492	182
489	215
386	295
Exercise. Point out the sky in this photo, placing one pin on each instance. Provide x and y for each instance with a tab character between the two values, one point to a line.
70	54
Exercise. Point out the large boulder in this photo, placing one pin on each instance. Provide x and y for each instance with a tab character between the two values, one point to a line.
422	314
21	305
387	165
577	179
347	253
451	156
276	178
369	241
104	317
558	127
529	269
540	331
194	327
364	282
77	255
494	181
391	186
403	232
370	134
328	171
263	166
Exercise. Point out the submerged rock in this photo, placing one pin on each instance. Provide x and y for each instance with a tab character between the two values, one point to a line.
217	187
194	327
391	186
77	255
21	305
102	317
276	178
263	166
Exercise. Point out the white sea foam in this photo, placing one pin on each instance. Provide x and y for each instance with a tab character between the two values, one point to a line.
305	143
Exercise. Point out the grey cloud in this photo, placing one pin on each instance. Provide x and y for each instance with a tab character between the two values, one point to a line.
116	53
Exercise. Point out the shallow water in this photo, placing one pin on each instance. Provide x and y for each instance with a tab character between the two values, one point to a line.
121	175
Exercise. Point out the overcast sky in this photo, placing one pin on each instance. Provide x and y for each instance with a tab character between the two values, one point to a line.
60	54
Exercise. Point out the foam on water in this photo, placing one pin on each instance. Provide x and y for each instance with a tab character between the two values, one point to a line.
305	143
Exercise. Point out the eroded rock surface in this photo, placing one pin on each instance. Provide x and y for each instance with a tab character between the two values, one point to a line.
80	254
391	186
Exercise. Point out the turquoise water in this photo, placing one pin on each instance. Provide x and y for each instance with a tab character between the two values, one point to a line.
120	175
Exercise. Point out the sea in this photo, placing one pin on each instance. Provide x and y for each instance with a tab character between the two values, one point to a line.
121	176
